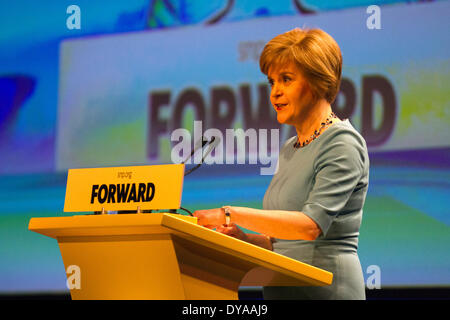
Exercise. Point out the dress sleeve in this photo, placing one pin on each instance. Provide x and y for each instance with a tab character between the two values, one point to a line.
338	169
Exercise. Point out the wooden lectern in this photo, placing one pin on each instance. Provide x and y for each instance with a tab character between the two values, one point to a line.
166	256
156	255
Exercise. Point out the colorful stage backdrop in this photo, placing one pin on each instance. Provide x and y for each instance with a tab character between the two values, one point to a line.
106	97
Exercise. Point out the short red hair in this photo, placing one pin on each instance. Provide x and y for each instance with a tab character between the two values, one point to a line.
316	54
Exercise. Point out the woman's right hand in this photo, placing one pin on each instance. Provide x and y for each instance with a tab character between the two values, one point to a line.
210	218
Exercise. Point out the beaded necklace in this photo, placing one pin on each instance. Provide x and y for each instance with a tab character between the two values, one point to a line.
316	133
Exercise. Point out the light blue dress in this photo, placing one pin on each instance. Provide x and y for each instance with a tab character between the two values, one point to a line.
328	181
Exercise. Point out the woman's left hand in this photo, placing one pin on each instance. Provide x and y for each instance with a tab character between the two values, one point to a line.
232	230
210	218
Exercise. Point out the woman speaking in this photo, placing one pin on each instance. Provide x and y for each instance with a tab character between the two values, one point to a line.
312	209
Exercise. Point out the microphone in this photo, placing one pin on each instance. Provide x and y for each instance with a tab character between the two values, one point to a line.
197	146
202	141
212	144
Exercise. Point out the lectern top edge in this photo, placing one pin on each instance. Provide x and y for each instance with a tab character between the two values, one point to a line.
260	256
